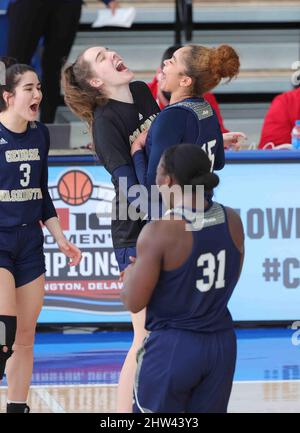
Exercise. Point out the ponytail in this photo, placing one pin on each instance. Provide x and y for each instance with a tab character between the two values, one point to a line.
207	66
80	96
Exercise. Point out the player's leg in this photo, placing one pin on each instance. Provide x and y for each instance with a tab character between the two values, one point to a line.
29	279
59	38
125	386
126	380
213	392
165	374
19	368
7	317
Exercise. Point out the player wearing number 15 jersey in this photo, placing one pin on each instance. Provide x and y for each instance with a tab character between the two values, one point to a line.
192	71
185	278
24	202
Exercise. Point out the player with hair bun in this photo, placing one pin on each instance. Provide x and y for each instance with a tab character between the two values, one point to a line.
24	202
185	279
191	72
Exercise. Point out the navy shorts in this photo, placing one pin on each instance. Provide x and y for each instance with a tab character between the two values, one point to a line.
185	372
21	252
122	256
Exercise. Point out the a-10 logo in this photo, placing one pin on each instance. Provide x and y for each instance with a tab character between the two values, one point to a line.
82	221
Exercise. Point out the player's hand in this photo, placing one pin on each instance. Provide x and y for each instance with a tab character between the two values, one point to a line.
71	251
139	142
233	140
113	6
122	273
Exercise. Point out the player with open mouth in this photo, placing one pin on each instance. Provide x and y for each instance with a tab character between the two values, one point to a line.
24	203
98	89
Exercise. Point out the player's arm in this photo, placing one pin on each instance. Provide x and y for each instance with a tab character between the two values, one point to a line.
137	197
66	247
112	150
220	153
140	166
166	130
48	209
237	233
140	278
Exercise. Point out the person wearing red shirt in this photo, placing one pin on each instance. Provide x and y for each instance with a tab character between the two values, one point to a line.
280	119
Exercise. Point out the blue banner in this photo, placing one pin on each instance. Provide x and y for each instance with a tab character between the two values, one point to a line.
266	195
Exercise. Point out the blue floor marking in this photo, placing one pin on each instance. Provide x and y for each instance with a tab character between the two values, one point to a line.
63	359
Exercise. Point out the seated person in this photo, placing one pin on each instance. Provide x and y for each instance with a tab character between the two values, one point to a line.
280	119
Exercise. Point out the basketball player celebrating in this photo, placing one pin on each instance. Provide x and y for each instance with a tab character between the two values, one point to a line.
24	202
185	279
98	90
192	71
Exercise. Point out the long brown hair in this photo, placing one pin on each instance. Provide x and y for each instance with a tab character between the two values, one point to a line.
13	75
80	96
207	66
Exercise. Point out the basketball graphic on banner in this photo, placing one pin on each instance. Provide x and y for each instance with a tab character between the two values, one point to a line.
75	187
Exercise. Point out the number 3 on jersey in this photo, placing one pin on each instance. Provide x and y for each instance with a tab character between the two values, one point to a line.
208	263
25	169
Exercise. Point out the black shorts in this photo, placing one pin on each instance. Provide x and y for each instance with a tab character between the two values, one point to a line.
21	252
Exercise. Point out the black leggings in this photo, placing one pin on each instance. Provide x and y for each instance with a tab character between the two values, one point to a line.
55	20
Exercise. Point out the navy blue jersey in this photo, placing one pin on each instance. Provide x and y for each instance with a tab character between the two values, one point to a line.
189	121
24	196
195	295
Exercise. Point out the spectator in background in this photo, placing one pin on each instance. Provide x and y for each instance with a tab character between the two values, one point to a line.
163	98
57	22
280	119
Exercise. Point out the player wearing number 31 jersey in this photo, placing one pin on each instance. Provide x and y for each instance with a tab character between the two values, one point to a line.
185	279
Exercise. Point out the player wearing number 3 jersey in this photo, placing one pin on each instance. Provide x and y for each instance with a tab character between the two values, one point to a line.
24	202
185	277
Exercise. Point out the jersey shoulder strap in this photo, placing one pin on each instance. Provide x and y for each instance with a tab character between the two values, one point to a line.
213	216
200	109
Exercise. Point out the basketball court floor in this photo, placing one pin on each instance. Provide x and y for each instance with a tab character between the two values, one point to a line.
78	372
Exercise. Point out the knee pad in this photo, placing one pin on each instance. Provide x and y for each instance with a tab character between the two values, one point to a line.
8	327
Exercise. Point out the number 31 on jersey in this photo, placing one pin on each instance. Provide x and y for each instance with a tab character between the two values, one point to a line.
207	262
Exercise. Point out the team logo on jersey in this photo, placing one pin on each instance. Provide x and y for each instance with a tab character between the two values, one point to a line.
2	141
145	125
141	117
